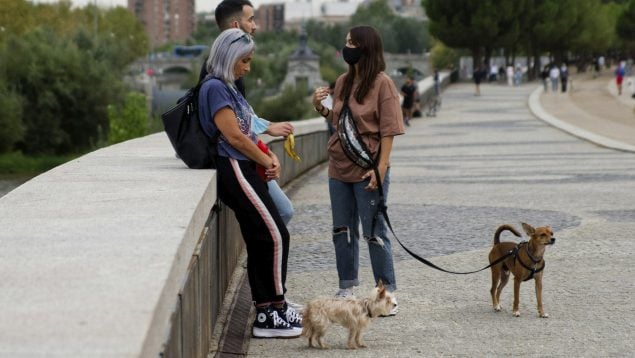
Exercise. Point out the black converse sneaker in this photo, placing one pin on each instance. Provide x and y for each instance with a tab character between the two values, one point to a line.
269	324
290	315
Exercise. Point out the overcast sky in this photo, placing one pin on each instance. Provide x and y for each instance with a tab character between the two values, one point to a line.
201	5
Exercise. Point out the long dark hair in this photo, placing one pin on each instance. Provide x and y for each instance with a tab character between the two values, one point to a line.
370	64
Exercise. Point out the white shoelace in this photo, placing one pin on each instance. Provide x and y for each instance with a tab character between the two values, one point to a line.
292	315
277	320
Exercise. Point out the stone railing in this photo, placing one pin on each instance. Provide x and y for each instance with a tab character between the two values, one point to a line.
120	253
425	87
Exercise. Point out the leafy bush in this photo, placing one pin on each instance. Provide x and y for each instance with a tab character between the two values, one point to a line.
63	71
129	121
290	105
65	90
18	163
11	127
443	57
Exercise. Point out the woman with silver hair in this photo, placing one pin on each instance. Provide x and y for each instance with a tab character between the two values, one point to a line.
223	108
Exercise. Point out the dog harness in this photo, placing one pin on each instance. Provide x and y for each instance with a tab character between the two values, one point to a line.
533	270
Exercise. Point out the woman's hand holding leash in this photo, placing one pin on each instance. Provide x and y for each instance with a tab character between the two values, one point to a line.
372	184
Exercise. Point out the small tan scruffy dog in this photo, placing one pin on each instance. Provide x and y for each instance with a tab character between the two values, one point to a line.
354	314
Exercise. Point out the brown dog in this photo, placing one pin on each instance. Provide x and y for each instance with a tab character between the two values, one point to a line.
526	263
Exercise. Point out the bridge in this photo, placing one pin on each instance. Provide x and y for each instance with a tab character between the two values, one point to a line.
170	70
121	252
398	65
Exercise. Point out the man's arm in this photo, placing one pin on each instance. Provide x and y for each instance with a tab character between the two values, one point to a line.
279	129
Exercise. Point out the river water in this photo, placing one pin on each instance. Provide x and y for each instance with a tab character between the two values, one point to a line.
8	183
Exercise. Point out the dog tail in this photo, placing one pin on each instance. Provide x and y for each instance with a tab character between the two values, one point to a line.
502	228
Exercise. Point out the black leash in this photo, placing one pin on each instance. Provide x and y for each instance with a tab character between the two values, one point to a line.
383	209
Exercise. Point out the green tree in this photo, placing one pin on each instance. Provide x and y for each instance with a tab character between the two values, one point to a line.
65	90
379	15
480	26
399	34
443	57
290	105
129	121
15	18
272	52
64	66
626	25
59	18
122	39
532	27
331	63
558	23
11	127
599	35
333	35
562	27
206	32
411	35
456	24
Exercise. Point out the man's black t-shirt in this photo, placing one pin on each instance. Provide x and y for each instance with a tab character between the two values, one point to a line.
409	91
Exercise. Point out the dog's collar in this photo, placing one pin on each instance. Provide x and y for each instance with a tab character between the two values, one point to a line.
531	257
367	306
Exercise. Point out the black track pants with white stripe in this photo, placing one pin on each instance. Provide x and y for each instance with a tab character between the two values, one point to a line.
263	230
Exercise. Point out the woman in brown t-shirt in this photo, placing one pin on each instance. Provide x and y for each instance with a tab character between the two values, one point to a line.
374	102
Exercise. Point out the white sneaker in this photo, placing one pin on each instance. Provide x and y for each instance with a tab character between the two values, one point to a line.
394	309
296	306
345	293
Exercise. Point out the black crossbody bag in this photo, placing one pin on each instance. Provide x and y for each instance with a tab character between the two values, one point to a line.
352	143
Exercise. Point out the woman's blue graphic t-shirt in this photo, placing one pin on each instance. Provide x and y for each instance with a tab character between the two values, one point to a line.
215	95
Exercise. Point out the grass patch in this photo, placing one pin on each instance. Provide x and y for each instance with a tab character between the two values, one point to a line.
18	163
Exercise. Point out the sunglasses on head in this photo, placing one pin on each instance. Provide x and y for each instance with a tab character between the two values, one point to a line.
243	36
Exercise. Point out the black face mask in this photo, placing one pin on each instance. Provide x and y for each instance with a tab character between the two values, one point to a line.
351	54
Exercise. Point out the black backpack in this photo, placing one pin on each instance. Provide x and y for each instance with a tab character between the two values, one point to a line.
183	127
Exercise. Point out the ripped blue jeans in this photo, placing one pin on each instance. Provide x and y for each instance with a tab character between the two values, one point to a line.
350	204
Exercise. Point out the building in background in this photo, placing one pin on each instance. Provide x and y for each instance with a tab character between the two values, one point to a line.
270	17
337	12
165	20
303	67
408	8
291	14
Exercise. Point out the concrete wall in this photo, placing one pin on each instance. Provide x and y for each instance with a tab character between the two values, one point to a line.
425	87
119	252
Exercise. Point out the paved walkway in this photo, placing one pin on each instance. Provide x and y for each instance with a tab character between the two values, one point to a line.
592	110
485	161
